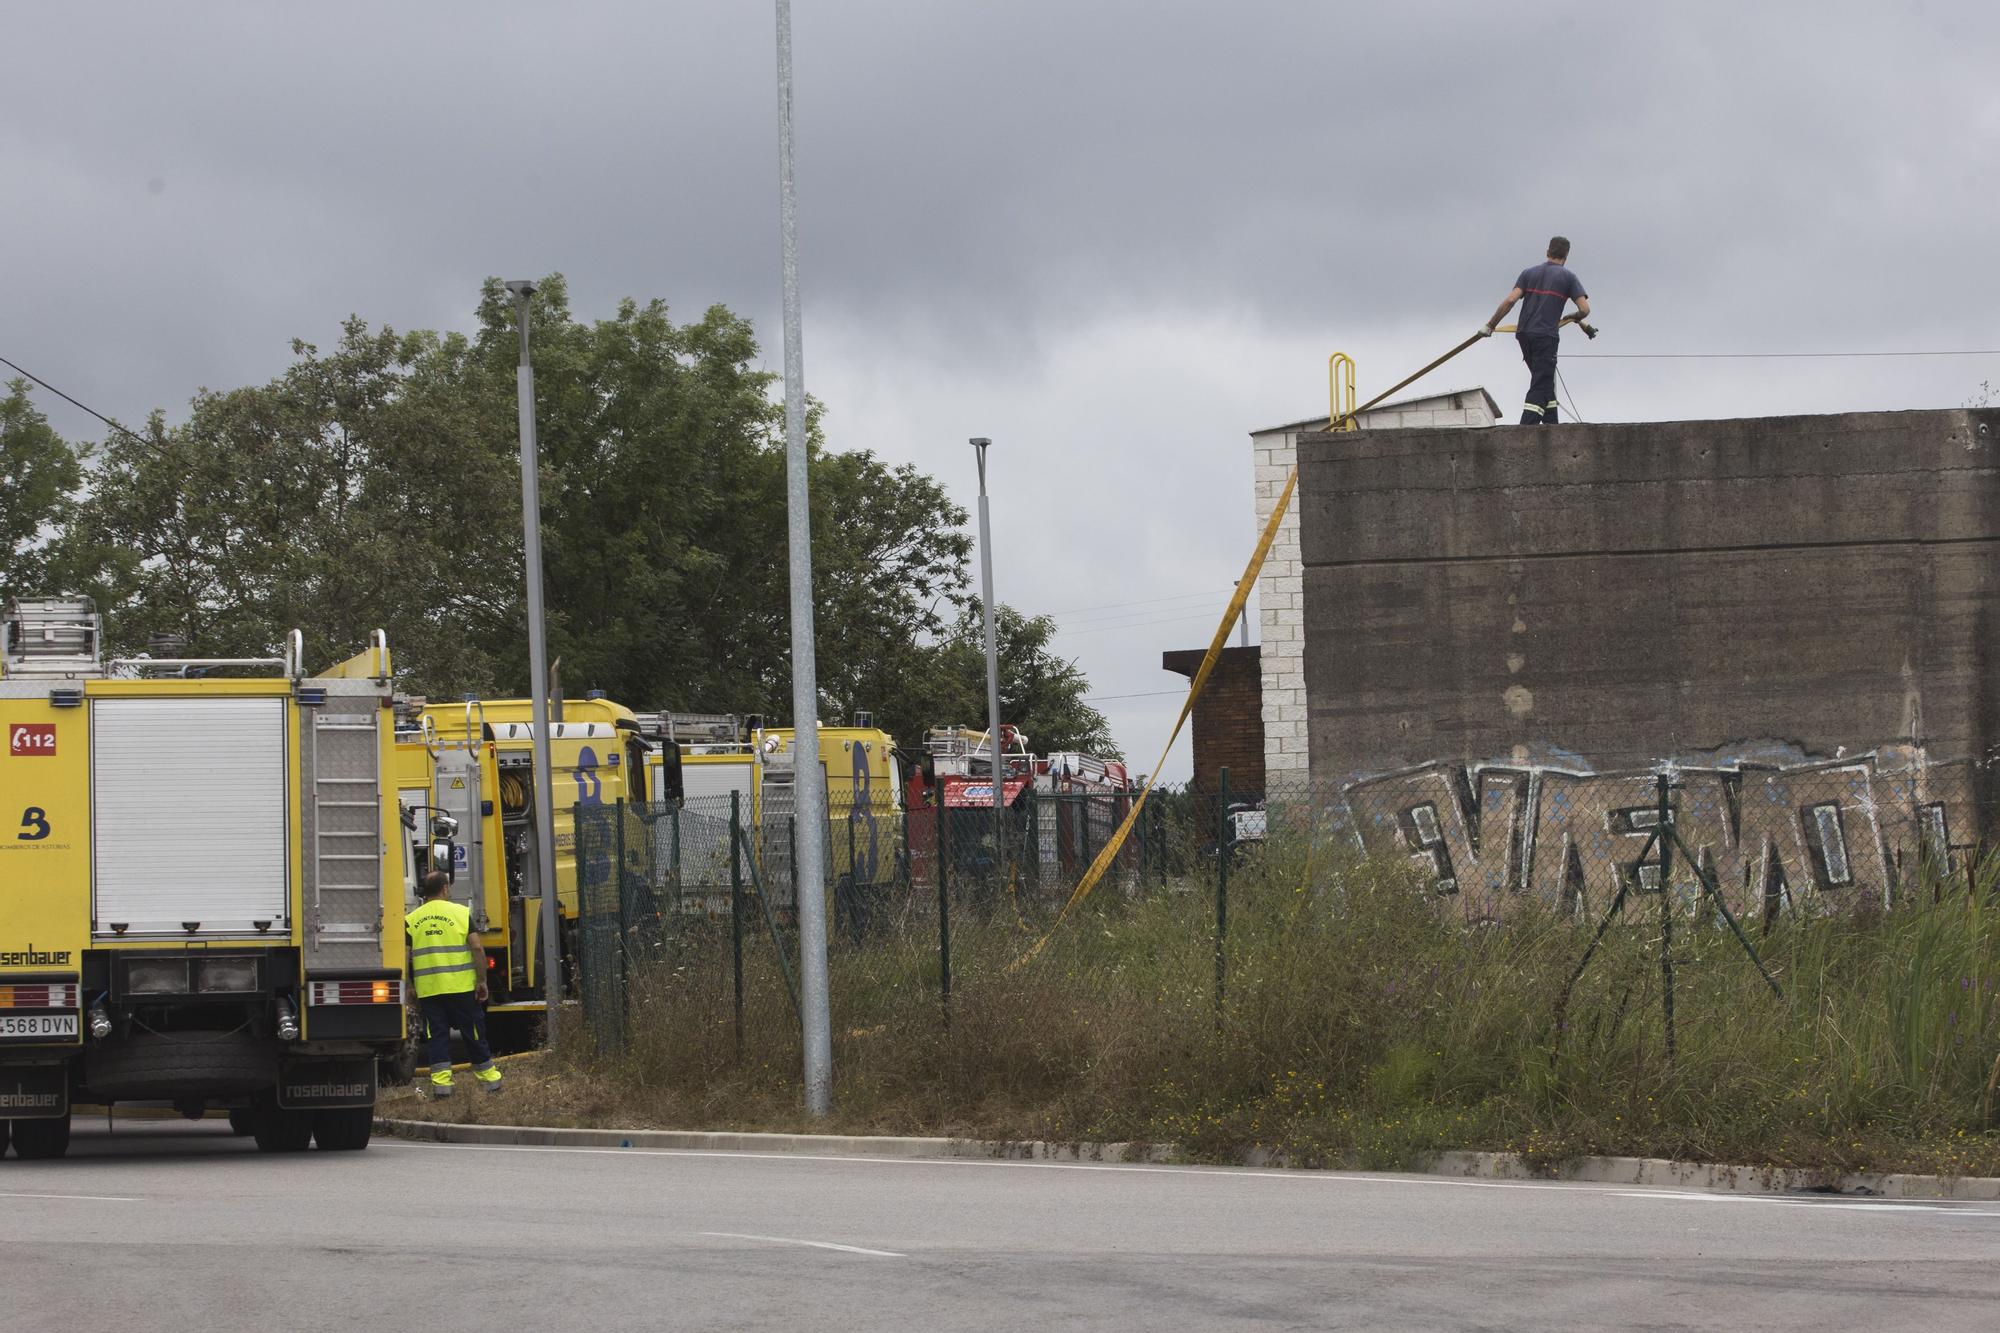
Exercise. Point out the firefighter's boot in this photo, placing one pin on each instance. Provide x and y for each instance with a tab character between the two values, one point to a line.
488	1076
441	1084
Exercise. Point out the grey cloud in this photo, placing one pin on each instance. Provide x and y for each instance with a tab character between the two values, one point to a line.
993	194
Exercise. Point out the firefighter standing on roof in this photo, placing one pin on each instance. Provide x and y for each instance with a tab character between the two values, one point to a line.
1543	291
447	964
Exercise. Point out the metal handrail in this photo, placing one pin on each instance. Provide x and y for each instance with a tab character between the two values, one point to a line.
1336	417
180	663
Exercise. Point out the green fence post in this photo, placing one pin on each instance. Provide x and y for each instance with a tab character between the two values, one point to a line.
1145	849
1083	808
944	907
736	911
903	832
853	881
1224	840
618	872
1031	843
1663	834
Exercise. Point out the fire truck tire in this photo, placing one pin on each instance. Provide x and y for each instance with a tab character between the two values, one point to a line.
41	1139
344	1130
279	1130
6	1133
208	1064
241	1123
400	1069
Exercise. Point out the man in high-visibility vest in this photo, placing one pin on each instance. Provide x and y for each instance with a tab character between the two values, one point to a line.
448	965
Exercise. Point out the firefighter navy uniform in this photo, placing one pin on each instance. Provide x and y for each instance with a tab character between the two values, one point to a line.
447	980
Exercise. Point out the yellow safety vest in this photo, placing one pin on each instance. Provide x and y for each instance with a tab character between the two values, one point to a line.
440	957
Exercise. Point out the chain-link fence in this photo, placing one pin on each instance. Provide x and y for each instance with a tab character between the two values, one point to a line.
700	896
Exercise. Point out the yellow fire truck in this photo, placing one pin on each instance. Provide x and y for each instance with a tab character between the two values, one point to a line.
200	884
449	789
482	762
720	754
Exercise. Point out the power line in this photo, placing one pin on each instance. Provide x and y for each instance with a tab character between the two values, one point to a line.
1138	617
1170	620
28	374
1757	356
1153	601
1145	694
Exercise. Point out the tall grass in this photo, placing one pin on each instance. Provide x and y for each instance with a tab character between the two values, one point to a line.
1363	1024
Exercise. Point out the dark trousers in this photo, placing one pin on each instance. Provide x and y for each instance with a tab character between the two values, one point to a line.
442	1013
1539	351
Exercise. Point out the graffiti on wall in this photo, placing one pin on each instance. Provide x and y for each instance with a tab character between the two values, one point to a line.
1772	838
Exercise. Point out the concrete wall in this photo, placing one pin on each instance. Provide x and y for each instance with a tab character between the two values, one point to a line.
1280	585
1600	598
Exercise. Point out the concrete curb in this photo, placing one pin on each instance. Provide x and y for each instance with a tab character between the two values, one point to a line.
1654	1172
844	1145
1659	1172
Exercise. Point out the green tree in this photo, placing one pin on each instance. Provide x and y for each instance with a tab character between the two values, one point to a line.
39	476
376	484
1041	692
363	488
664	504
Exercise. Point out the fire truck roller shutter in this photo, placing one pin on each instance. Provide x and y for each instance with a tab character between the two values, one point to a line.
188	804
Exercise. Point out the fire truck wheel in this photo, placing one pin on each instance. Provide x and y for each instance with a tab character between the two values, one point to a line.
241	1122
6	1133
41	1139
400	1069
343	1130
279	1130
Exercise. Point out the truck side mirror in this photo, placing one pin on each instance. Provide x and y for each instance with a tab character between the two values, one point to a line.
444	850
672	787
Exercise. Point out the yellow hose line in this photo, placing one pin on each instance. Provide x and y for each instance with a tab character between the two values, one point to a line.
1109	854
1102	864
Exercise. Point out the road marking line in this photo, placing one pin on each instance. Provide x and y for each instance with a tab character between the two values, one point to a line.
1945	1206
815	1244
86	1198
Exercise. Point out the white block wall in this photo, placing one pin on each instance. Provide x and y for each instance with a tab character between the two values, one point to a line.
1281	584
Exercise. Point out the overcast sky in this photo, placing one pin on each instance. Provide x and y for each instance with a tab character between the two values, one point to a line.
1115	237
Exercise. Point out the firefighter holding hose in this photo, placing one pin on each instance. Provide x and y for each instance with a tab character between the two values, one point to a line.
1543	291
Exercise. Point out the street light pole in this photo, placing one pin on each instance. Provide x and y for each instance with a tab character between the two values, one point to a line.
808	777
980	445
538	668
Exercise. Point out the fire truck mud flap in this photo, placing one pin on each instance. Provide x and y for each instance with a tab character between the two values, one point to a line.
34	1092
327	1085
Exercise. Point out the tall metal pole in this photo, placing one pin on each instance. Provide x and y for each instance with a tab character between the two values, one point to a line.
538	668
980	445
809	779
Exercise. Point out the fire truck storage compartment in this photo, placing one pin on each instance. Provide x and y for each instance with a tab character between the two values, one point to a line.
188	817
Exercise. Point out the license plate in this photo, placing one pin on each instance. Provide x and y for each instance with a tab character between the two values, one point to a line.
19	1026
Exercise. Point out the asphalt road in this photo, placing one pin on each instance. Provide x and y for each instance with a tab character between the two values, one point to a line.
180	1226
